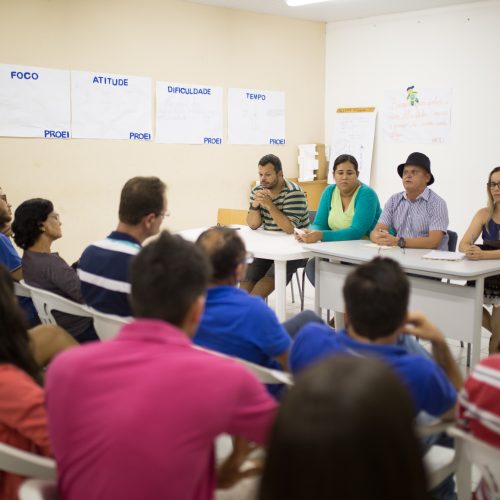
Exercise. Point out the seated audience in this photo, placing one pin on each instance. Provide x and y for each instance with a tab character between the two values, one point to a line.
141	421
36	226
11	260
417	217
276	204
348	209
23	422
486	224
479	413
344	432
234	322
103	267
376	301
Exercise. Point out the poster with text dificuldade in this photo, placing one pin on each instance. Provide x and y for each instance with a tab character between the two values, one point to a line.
189	113
108	106
34	102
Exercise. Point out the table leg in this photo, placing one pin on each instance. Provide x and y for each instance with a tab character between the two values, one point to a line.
280	288
478	321
317	308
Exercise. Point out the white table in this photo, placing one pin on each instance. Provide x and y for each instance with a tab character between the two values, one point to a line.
277	246
455	309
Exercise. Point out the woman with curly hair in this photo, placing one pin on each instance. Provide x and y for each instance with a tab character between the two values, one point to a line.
36	226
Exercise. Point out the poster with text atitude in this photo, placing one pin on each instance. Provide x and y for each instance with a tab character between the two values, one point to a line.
107	106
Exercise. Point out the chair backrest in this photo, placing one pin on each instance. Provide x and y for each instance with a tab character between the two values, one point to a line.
20	290
38	489
484	456
452	240
312	215
107	325
231	216
27	464
265	375
45	302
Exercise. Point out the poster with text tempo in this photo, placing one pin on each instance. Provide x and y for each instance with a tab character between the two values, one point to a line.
188	114
34	102
256	117
106	106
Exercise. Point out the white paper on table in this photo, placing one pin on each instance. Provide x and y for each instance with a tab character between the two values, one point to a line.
353	134
107	106
256	117
443	255
34	102
380	247
427	120
188	114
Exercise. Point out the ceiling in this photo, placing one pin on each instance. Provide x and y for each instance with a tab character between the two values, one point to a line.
333	10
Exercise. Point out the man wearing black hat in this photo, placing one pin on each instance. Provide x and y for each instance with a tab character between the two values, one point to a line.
417	217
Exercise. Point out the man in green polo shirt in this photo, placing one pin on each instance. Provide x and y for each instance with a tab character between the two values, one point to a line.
277	204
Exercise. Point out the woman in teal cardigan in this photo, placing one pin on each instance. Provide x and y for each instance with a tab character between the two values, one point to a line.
348	209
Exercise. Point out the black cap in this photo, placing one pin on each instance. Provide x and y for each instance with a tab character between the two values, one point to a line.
417	160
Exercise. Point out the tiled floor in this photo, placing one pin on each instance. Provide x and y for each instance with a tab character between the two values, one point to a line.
460	353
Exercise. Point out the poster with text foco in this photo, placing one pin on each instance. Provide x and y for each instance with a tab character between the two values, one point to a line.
256	117
106	106
34	102
188	114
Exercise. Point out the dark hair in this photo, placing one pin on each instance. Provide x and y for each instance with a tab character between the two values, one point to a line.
376	298
224	248
14	340
141	196
28	219
343	159
167	276
273	160
345	432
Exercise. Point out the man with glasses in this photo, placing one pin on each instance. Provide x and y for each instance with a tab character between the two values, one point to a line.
235	322
103	266
416	217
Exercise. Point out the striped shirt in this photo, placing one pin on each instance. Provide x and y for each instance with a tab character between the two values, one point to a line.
479	409
291	201
414	219
103	271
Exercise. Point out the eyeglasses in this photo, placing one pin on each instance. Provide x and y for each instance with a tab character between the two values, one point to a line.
163	214
493	185
54	216
248	258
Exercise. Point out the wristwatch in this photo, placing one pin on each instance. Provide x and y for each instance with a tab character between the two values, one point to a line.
401	242
254	208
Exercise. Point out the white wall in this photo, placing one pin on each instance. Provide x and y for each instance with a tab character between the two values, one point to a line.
455	48
167	40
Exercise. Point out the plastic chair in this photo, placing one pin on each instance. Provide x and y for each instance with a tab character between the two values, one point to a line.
484	456
27	464
45	302
107	325
38	489
265	375
21	290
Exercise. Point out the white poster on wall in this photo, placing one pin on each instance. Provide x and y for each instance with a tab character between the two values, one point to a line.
106	106
34	102
188	114
353	134
256	117
418	116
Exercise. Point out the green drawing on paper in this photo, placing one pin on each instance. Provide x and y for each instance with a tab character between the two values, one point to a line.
412	95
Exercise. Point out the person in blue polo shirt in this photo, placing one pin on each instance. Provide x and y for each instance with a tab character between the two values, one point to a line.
376	300
235	322
104	266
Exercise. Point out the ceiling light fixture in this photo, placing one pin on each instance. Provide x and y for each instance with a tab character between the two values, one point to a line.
298	3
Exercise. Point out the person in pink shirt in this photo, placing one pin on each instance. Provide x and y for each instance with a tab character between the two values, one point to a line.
136	417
